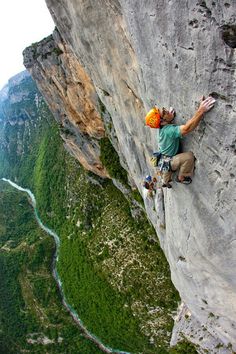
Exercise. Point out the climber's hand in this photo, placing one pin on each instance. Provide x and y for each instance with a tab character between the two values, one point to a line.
206	104
172	111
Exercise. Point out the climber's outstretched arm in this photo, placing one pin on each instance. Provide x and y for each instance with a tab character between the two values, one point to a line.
191	124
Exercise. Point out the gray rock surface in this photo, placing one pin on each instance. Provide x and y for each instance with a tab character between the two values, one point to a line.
170	53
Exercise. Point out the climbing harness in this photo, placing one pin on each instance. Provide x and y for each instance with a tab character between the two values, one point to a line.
155	158
164	163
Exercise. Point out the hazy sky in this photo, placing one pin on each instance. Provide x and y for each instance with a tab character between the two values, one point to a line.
22	22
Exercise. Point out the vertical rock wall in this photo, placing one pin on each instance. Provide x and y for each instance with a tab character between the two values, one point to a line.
170	53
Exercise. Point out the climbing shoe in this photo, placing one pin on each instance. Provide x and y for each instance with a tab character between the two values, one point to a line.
186	180
166	185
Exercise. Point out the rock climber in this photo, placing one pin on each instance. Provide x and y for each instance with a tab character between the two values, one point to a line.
169	141
150	184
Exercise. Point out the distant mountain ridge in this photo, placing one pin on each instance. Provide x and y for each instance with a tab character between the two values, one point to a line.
14	80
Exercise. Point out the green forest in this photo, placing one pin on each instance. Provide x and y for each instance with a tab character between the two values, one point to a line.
113	274
30	303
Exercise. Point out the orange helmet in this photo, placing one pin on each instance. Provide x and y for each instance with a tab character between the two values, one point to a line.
153	118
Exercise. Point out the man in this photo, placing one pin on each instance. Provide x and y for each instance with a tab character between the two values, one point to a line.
169	140
150	184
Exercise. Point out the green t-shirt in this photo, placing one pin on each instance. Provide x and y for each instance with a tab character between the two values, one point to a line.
169	138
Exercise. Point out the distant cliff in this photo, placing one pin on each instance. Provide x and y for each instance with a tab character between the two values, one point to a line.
71	96
138	54
19	87
19	101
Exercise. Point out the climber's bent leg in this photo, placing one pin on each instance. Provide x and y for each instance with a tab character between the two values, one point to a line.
185	163
166	177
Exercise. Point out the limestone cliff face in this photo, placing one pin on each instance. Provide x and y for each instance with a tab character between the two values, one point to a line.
71	97
170	53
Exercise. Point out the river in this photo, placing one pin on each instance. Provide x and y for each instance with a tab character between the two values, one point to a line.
56	276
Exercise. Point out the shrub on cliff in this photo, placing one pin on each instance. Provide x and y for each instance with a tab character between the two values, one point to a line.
111	161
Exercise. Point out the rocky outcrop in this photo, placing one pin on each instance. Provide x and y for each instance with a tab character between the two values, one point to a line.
141	53
71	97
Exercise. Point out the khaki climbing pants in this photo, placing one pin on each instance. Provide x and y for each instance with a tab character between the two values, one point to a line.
183	162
